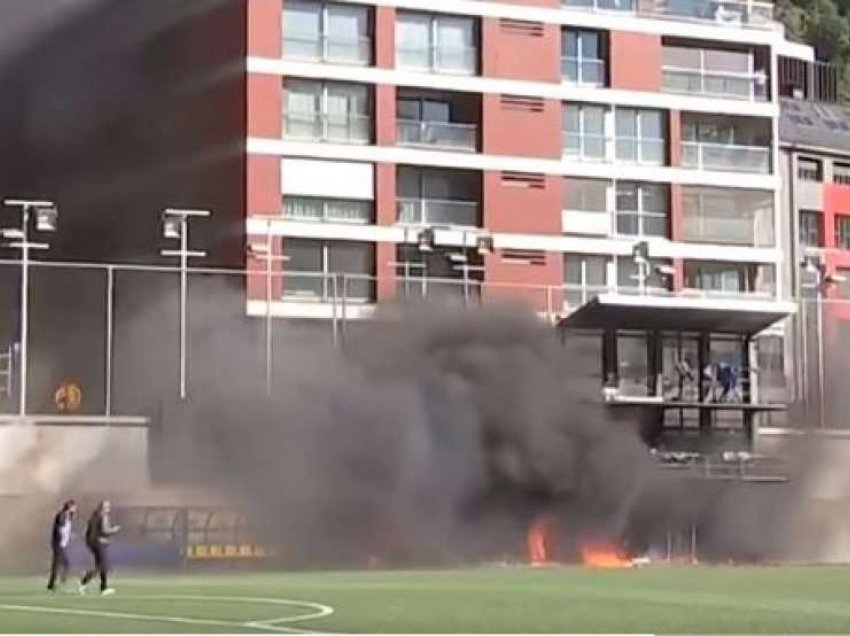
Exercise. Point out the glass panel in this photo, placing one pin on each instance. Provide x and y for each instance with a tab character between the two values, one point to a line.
650	124
338	211
571	44
573	269
632	365
727	61
301	209
436	111
626	123
409	109
590	45
585	195
594	120
455	45
304	268
357	260
596	268
413	40
681	57
302	18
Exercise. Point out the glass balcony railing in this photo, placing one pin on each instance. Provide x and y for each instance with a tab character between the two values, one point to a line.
437	212
319	47
728	229
731	157
316	126
437	134
725	85
587	72
749	13
461	60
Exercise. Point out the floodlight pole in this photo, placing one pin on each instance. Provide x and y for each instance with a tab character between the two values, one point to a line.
184	253
23	243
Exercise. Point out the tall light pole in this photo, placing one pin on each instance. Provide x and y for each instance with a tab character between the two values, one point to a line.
823	281
46	217
265	251
175	226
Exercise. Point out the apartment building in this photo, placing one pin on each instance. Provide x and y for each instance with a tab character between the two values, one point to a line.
815	164
613	164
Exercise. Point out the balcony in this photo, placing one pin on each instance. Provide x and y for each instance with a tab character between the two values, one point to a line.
458	60
753	14
583	71
749	87
439	134
435	212
339	128
729	280
702	155
330	48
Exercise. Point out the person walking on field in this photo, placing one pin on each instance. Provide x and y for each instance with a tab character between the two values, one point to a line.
60	538
98	534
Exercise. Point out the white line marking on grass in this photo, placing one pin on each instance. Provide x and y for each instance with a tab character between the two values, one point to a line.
273	624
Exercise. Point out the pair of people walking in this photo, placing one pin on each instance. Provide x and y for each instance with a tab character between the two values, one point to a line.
99	530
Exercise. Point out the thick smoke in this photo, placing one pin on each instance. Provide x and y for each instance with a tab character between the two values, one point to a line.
435	434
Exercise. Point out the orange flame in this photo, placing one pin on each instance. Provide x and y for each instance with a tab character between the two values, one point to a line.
537	543
603	556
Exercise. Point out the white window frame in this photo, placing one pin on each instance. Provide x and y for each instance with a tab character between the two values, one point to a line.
582	135
323	114
579	58
640	212
324	34
639	139
434	44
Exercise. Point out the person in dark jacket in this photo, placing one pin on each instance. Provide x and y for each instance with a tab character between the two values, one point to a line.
98	533
60	538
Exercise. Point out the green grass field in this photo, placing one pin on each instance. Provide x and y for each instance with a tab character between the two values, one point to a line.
650	600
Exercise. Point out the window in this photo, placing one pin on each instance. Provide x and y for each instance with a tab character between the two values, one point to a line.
809	169
585	277
327	111
728	216
640	136
633	364
643	209
584	132
329	32
313	265
583	61
811	228
438	273
714	72
730	278
437	119
771	369
841	173
586	195
327	210
438	197
842	232
436	42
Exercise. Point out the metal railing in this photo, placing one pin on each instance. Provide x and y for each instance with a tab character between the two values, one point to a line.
328	211
441	134
462	60
744	86
438	212
584	71
747	13
735	158
320	47
318	126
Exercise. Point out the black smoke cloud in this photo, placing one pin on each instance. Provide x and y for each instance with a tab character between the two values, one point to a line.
435	434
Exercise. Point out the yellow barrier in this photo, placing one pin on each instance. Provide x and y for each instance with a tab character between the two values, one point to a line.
215	551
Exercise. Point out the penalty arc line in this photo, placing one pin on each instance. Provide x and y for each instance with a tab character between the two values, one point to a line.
272	625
